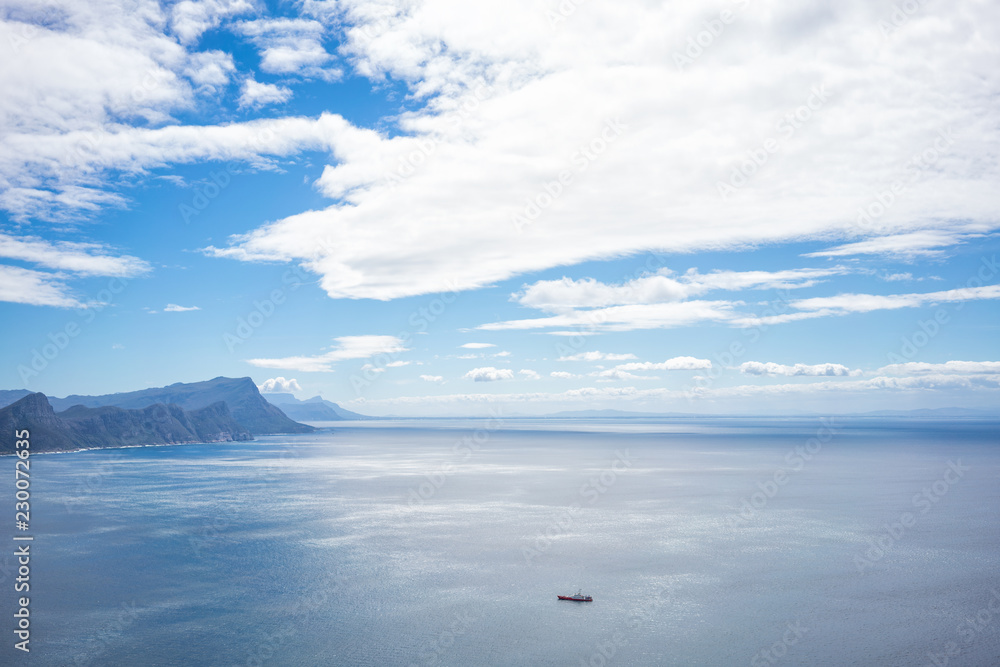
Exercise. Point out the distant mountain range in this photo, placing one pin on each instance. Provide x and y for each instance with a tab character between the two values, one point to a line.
80	427
314	409
215	410
925	413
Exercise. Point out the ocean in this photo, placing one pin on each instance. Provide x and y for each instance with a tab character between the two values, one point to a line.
729	541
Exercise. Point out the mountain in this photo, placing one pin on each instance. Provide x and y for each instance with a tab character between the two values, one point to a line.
245	403
8	396
933	413
314	409
109	426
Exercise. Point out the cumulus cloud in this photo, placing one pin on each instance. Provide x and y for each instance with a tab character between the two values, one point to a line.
563	375
174	308
191	18
256	94
529	374
347	347
664	286
608	84
290	46
489	374
590	395
610	106
279	385
477	346
210	70
432	378
675	364
771	368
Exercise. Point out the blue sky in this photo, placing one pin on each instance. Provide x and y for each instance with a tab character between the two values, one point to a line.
432	208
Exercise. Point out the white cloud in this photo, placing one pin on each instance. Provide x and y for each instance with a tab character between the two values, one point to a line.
174	308
397	364
563	375
844	304
36	288
947	368
925	243
210	70
663	287
477	346
256	94
610	70
675	364
85	259
55	161
190	18
771	368
279	385
529	374
597	356
592	395
290	46
348	347
432	378
489	374
626	318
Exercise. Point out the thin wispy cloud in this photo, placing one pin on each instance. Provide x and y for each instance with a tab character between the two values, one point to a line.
347	347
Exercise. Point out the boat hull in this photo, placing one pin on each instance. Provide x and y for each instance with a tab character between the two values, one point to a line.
573	599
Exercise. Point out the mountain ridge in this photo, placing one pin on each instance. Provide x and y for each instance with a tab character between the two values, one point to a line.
81	427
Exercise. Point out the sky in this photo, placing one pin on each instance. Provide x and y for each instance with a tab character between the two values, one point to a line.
437	208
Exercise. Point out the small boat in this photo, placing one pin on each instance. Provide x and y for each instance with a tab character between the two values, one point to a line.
579	597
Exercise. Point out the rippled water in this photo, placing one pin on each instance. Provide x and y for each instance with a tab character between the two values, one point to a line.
446	543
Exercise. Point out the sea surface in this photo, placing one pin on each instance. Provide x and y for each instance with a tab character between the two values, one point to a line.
702	542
